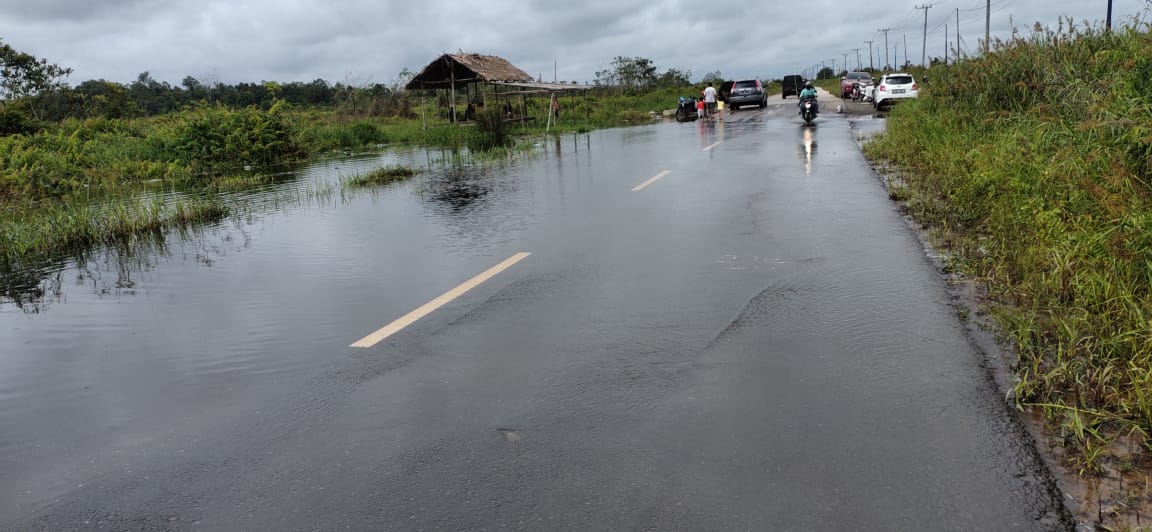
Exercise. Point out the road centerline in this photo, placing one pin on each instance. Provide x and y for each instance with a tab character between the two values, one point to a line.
655	178
713	145
408	319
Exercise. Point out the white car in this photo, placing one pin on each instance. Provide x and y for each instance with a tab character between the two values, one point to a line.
892	88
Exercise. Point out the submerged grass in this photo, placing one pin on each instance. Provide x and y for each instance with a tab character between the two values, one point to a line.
380	176
1036	162
60	228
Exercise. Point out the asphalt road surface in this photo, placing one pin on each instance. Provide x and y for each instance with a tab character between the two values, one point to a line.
700	326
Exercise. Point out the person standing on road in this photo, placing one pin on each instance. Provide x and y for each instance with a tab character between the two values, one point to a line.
710	100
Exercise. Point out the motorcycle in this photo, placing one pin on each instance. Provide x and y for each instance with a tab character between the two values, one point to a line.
686	109
808	110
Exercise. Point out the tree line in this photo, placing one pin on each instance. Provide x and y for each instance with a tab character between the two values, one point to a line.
33	90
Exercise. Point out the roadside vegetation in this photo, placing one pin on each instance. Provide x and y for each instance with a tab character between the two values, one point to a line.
1034	165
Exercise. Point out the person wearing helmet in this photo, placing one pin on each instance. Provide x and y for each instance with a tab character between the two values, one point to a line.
809	92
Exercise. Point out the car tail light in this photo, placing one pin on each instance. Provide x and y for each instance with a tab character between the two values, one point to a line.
914	87
883	88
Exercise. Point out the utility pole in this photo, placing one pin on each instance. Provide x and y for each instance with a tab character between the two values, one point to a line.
946	44
987	26
885	30
857	58
905	49
871	65
957	34
845	61
1108	23
924	44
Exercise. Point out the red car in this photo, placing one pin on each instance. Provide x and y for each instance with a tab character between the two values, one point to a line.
846	82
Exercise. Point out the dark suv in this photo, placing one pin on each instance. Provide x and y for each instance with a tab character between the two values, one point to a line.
747	92
791	85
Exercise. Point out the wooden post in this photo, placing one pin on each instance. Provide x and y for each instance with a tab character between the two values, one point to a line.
451	92
551	104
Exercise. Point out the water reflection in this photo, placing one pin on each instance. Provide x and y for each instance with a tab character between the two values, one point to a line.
808	148
30	288
710	132
110	271
458	188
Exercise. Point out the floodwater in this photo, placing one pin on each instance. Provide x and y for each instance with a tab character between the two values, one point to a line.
720	326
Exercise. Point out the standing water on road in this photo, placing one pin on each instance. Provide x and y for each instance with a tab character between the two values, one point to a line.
108	351
718	325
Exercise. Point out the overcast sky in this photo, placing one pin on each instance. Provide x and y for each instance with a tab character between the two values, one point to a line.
371	41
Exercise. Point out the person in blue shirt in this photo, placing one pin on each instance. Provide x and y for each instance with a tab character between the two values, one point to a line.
809	92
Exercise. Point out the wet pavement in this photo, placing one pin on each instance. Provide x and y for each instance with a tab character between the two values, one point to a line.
720	326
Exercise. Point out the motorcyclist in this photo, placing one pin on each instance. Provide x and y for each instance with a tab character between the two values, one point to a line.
809	93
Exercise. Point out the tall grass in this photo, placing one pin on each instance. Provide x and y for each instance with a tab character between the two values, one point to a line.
1036	161
59	228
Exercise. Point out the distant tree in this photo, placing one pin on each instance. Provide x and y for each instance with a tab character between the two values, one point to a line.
674	77
402	79
825	73
23	75
195	90
713	77
104	98
606	77
629	72
273	89
154	97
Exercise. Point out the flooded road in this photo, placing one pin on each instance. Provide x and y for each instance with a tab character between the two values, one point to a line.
715	326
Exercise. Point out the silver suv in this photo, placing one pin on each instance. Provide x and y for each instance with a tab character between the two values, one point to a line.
747	92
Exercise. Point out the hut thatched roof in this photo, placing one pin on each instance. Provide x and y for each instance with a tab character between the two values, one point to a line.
464	69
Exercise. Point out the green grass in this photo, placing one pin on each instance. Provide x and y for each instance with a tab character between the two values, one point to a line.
380	176
1036	161
59	228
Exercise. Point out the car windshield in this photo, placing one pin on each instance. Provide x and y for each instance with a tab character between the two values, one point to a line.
859	75
751	84
898	80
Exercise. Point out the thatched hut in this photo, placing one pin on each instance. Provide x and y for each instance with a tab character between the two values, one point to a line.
452	71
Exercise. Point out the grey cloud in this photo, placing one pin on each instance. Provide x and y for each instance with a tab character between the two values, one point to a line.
302	40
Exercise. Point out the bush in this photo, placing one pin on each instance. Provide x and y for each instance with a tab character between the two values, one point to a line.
14	121
221	139
492	129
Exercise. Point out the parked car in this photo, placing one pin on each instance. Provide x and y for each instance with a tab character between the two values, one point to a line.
894	87
747	92
792	85
724	90
846	82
